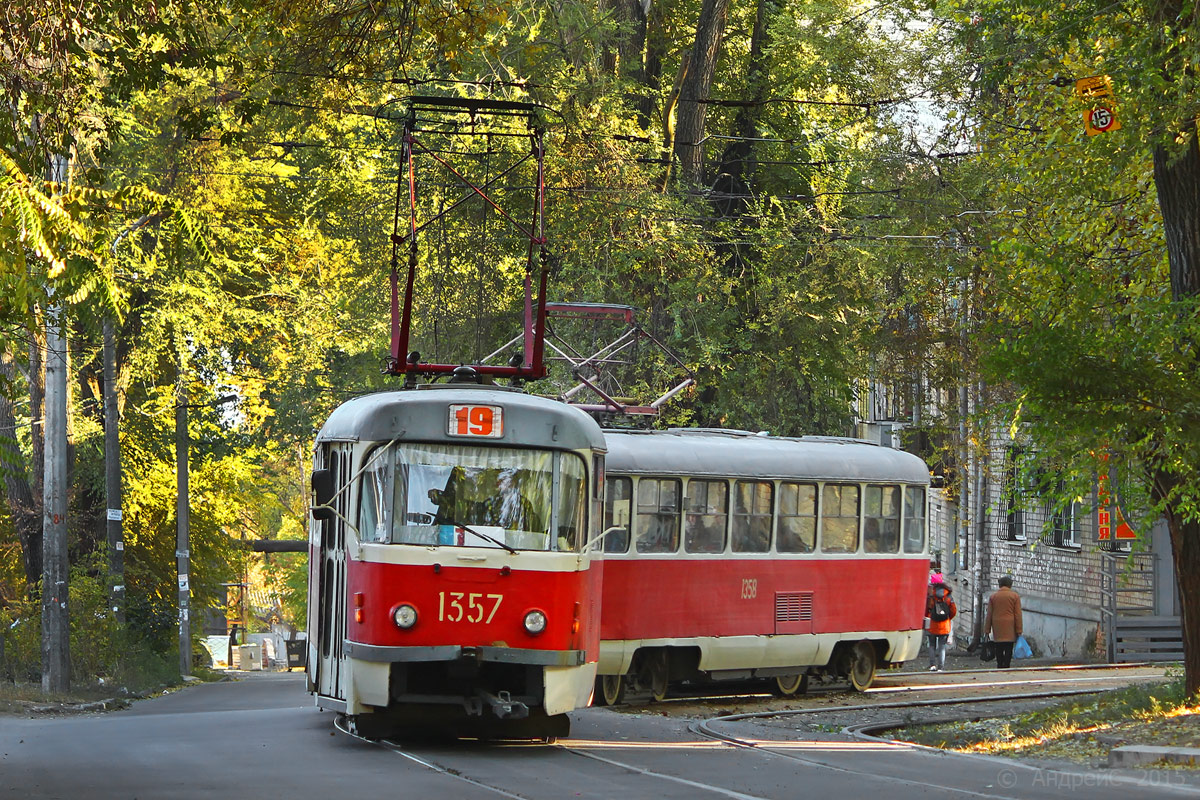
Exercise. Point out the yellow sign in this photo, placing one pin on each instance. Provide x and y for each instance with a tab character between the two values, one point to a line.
1093	87
1100	119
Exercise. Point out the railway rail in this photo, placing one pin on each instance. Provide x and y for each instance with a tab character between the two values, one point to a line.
743	731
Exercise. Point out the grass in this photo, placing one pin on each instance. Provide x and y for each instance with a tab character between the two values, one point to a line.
1078	730
17	698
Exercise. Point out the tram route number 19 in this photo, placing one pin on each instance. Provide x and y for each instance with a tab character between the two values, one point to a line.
468	606
485	421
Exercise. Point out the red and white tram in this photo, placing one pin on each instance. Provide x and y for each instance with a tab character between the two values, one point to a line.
449	582
734	555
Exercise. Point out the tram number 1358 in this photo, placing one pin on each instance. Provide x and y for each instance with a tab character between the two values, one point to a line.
467	606
749	588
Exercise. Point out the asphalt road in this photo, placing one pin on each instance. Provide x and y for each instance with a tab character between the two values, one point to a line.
261	737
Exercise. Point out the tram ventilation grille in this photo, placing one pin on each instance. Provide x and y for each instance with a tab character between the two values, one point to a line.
793	606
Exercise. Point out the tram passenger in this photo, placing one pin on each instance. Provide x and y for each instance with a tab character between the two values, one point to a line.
446	499
1003	620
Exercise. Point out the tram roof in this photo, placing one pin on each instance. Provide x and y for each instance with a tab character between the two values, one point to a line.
740	453
422	414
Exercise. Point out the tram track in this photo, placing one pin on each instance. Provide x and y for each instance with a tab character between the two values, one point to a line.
789	749
867	732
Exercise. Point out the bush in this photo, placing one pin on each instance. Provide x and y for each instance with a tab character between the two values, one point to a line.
102	651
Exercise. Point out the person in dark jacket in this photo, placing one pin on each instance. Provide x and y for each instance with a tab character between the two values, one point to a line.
1003	620
938	599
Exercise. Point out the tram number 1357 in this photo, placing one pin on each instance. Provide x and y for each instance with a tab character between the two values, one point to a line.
467	606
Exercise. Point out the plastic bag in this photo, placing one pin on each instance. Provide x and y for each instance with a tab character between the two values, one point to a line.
1022	649
987	650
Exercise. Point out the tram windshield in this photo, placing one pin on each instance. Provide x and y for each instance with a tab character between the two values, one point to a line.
432	494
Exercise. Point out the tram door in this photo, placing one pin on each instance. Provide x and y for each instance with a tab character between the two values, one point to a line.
330	577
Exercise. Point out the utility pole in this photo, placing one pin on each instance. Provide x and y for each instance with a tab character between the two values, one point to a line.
56	660
56	654
112	477
182	509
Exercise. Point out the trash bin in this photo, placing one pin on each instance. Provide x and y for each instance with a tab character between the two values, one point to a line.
251	656
297	654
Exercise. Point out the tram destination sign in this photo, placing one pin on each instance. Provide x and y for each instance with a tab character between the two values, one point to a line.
478	421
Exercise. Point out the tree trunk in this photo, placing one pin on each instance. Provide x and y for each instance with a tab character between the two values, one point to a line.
693	94
626	60
656	45
23	504
737	167
1185	549
1177	179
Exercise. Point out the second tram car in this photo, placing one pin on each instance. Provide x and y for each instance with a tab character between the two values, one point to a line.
451	585
738	555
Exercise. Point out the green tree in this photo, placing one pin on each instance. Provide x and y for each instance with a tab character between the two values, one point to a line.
1095	279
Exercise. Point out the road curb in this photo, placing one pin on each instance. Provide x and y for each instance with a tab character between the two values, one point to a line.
1140	755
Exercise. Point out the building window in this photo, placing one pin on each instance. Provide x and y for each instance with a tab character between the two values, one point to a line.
1064	525
706	514
797	518
753	505
839	519
657	515
914	519
1020	488
881	519
618	502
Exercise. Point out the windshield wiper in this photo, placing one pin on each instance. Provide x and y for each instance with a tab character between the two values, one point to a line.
484	536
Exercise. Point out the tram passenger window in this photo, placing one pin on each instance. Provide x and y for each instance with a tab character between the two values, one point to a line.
752	508
914	519
797	518
881	520
839	519
618	510
657	515
706	514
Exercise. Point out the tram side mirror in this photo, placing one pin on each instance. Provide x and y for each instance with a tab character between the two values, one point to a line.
322	490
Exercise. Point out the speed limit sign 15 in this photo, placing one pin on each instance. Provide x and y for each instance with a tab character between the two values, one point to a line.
1100	119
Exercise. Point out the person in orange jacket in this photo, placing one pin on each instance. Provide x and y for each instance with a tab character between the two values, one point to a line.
939	610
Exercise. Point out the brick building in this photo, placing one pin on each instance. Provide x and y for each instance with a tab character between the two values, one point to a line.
1085	593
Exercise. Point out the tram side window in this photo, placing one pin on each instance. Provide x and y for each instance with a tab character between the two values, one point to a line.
752	508
881	520
914	519
618	510
374	511
706	515
797	518
839	519
657	515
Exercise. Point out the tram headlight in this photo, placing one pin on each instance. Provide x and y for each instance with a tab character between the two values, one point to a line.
405	616
535	621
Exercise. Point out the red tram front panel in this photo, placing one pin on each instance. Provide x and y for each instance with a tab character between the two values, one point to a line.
474	606
678	598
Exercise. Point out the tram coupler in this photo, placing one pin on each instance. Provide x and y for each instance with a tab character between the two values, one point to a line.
501	704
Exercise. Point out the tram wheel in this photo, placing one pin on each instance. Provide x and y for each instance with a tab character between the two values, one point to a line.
659	675
612	689
788	685
862	665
